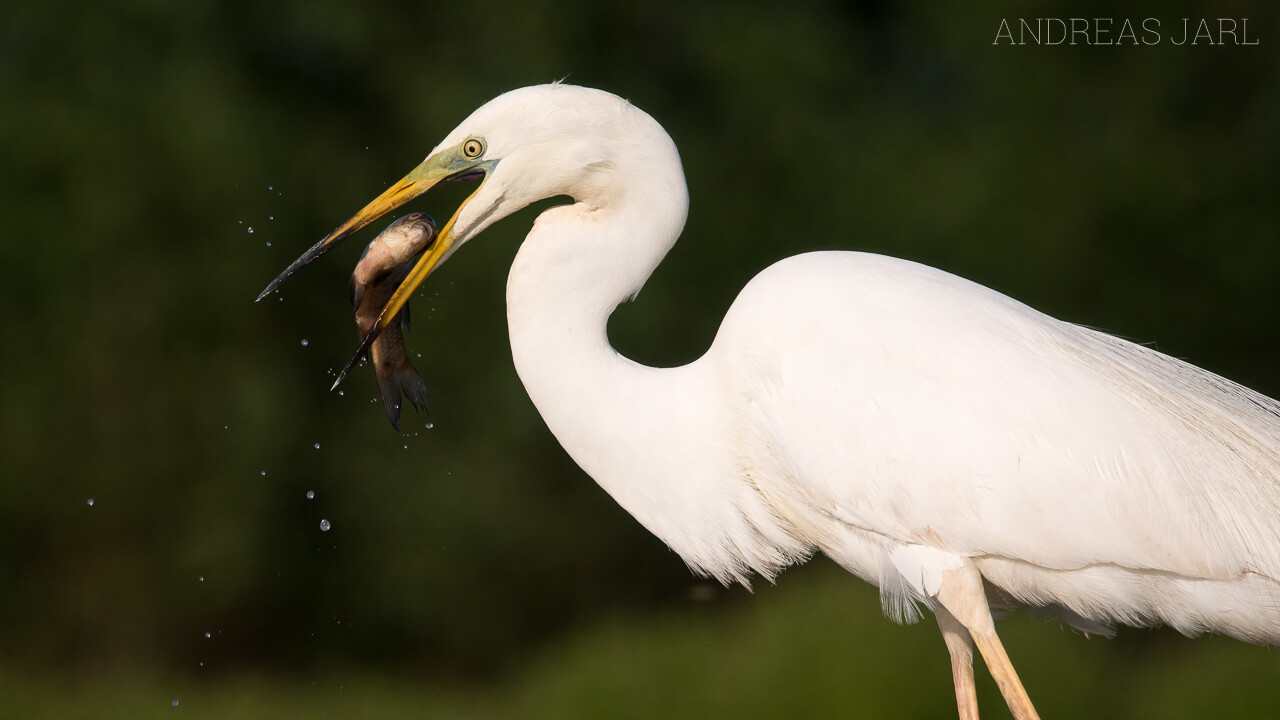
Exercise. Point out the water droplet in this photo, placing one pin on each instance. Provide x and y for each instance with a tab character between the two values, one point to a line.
268	243
406	447
263	473
201	578
271	217
316	446
90	502
271	187
175	702
208	635
251	230
341	393
305	342
311	494
324	526
430	425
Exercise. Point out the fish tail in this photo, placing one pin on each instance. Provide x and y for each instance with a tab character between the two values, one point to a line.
402	381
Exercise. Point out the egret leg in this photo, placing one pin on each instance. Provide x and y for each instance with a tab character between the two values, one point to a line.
962	595
960	645
1006	678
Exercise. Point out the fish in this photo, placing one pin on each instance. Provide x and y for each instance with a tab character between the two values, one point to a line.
382	267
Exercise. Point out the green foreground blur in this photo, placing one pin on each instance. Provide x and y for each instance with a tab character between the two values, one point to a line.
817	647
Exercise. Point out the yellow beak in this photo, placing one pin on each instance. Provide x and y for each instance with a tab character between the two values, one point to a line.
421	179
446	165
421	269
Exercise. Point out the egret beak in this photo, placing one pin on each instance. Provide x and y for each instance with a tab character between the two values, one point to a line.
436	252
442	167
448	165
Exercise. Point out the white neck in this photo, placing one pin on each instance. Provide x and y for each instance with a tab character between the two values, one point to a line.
613	416
660	441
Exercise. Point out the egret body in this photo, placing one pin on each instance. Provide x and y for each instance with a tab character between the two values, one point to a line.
946	443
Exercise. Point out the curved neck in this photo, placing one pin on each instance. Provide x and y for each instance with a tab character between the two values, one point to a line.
627	425
662	442
577	264
573	269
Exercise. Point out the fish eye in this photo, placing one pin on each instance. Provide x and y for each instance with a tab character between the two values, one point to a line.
473	148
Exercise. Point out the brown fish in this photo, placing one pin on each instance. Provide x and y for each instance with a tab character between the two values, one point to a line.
382	267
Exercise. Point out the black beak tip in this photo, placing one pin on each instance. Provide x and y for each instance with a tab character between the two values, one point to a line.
359	353
329	242
274	284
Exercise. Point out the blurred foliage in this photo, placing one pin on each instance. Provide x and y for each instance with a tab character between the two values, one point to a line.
815	648
165	160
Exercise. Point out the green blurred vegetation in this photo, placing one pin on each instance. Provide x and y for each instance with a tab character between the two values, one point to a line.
164	160
816	648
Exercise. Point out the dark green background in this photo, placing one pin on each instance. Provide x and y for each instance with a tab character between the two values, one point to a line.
162	161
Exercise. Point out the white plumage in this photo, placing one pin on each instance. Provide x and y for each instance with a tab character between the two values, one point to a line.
932	436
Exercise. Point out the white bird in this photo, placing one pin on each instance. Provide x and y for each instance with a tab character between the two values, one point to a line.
942	441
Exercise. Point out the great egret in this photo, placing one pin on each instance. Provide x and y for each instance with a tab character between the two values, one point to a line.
935	438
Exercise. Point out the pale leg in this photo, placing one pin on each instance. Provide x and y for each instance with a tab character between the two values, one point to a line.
963	596
960	645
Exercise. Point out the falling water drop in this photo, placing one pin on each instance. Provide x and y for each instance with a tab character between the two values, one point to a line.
311	494
317	446
175	702
324	526
90	502
251	230
305	342
208	635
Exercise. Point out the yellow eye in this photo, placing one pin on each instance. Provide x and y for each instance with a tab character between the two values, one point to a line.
473	148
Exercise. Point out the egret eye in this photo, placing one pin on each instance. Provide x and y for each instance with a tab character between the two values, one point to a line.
473	148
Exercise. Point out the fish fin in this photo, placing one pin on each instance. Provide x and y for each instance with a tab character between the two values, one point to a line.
391	400
414	389
397	276
355	291
408	383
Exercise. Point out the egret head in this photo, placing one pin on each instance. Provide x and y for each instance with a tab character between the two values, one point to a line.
522	146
